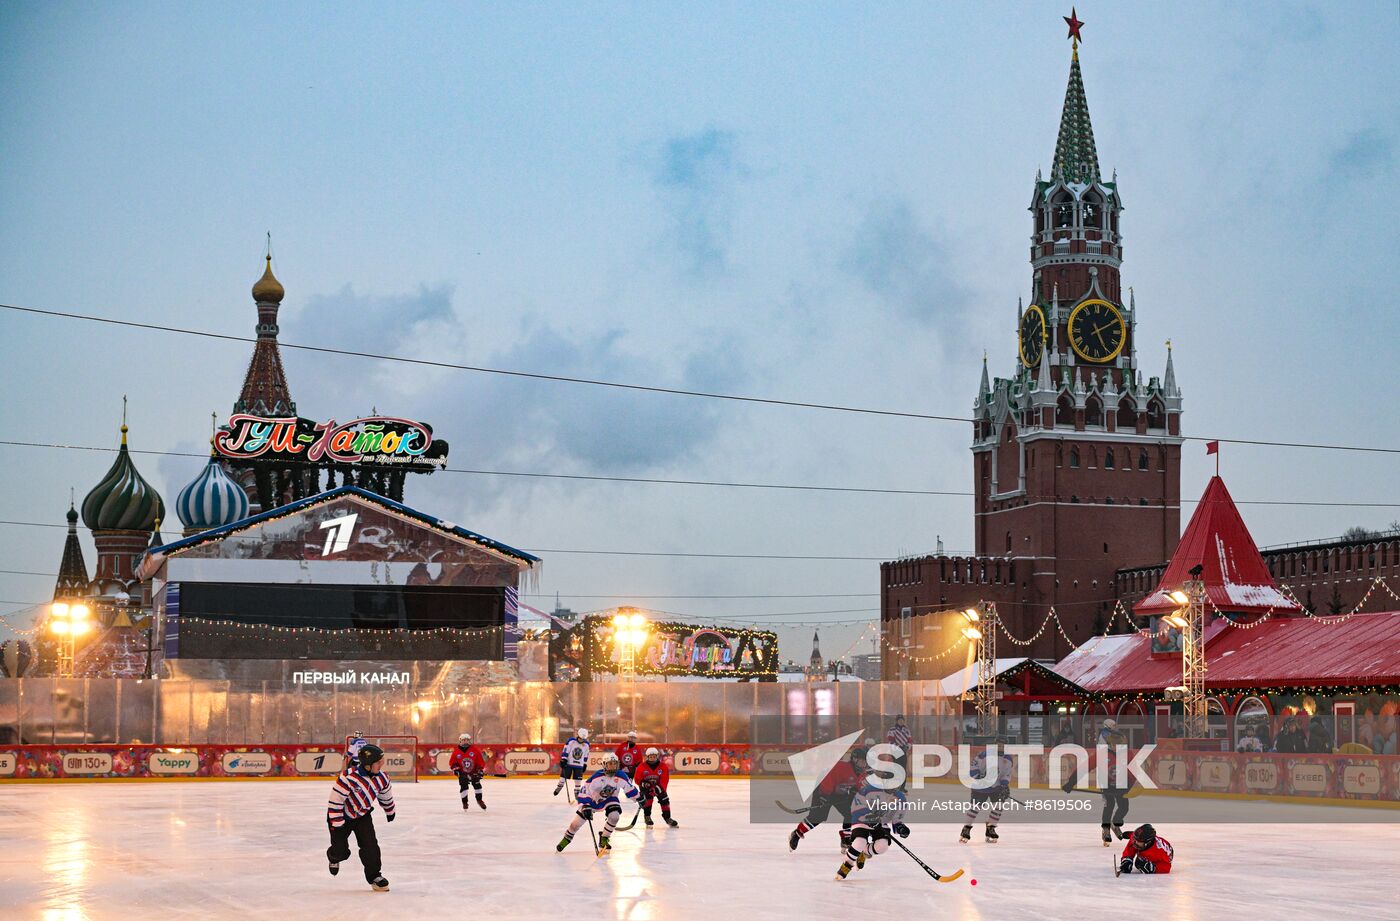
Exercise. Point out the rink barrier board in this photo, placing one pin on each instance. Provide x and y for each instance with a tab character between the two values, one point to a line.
1291	777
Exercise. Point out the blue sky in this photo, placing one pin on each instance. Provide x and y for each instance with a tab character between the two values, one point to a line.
813	202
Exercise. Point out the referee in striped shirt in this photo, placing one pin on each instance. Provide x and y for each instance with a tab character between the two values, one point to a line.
900	737
349	810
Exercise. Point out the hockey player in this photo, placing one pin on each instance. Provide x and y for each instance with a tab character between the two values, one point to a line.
1146	852
350	811
573	760
628	754
652	778
875	813
600	792
836	791
469	764
1115	798
352	751
997	777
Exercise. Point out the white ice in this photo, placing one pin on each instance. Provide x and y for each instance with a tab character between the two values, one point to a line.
256	849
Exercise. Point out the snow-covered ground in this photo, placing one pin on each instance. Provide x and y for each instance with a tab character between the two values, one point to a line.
247	849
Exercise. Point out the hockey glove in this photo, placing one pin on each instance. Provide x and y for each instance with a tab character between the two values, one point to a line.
901	829
1144	865
1125	865
585	812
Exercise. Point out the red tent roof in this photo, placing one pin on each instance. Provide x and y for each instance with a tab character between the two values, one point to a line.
1279	652
1234	573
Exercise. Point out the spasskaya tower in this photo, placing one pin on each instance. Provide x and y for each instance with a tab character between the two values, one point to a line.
1076	452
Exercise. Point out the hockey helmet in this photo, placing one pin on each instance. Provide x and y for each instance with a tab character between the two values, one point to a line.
611	764
1111	725
357	734
464	739
582	734
1144	836
370	754
653	755
631	735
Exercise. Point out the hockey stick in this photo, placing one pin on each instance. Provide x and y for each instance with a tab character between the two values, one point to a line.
927	869
592	834
1117	867
628	826
790	811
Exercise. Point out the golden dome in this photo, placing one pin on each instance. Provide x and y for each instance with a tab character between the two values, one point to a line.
268	289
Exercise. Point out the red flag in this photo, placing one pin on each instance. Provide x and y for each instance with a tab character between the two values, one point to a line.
1212	447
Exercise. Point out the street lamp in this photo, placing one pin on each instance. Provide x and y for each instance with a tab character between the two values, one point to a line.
68	622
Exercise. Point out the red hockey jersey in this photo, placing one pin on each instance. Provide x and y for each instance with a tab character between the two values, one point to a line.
658	774
1159	854
629	755
467	761
843	777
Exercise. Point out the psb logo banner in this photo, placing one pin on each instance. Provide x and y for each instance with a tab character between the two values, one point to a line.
319	762
172	763
398	762
247	763
8	761
704	762
527	762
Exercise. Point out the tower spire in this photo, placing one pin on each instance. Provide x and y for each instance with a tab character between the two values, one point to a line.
1076	159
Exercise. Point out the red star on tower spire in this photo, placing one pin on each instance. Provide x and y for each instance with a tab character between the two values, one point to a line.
1072	20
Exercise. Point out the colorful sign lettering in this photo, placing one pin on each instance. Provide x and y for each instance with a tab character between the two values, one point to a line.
371	440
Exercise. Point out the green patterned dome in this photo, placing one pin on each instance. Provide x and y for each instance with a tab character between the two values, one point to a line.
123	501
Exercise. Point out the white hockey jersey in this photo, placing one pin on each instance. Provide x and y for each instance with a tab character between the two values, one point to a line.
575	753
602	789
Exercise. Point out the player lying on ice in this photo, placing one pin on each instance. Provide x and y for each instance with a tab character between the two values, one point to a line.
350	811
875	813
1146	852
600	792
469	764
653	776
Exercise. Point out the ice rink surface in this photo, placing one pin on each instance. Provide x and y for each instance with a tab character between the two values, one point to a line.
252	849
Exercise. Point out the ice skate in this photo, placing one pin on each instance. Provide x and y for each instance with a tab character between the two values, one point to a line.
843	871
793	839
563	843
334	867
1107	837
380	884
669	821
966	836
992	836
479	801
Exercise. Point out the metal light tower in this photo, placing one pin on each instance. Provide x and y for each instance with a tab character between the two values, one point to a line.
68	622
629	635
1190	619
981	629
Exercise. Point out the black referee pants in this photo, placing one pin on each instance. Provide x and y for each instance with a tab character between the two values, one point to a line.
365	839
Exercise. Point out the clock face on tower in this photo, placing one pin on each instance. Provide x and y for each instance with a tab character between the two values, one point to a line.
1097	331
1032	336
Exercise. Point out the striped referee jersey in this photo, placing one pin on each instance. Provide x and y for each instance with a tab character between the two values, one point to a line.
354	794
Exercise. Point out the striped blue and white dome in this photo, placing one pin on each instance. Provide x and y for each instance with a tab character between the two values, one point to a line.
212	500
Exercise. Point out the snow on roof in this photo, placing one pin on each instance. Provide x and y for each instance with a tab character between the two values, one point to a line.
1280	652
1236	578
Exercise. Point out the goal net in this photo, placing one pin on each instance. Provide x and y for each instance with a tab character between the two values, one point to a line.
400	755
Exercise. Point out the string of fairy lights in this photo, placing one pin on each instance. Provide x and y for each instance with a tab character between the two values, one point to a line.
1120	609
